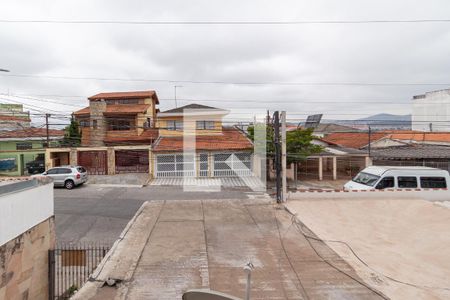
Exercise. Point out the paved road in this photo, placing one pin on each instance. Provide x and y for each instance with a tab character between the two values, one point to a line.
92	213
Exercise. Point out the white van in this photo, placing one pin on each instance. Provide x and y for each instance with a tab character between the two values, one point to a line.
383	177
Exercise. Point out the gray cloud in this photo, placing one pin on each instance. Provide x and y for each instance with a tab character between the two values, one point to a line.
287	53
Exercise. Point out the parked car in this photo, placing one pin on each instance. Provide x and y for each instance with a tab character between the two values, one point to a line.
36	166
382	177
67	176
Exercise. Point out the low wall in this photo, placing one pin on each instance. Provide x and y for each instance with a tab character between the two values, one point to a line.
24	263
26	234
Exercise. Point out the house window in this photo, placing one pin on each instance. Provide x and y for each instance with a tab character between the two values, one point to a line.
110	102
24	146
94	124
128	101
174	125
84	123
120	124
205	125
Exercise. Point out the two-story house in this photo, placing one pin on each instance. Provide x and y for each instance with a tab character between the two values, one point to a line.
119	118
193	142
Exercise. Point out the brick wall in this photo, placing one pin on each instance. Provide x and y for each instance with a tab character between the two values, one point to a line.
97	135
24	263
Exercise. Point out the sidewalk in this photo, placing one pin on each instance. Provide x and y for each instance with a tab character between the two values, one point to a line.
173	246
125	180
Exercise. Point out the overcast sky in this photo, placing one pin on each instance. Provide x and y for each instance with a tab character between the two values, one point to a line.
311	53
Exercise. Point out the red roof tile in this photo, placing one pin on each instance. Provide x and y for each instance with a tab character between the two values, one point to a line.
354	140
229	139
422	136
126	95
14	118
30	132
117	109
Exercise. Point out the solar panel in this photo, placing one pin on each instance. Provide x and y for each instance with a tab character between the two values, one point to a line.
313	121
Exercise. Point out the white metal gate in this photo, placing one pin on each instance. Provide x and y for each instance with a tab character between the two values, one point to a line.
232	164
175	165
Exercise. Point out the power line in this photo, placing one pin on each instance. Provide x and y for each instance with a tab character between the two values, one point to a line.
172	81
274	22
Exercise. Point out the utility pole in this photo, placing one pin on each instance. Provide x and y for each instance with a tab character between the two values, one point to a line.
283	155
370	140
175	88
46	126
276	121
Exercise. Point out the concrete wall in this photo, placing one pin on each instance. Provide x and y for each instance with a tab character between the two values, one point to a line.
24	209
431	111
24	263
26	235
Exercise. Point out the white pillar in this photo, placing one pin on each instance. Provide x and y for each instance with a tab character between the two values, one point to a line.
334	168
320	168
368	161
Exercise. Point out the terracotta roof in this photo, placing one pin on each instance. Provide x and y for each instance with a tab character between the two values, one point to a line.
30	132
354	140
126	95
117	109
422	136
229	139
147	137
15	118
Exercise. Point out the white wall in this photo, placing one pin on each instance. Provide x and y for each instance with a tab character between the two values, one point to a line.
434	109
22	210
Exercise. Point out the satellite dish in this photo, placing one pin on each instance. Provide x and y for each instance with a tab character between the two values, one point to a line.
313	121
205	294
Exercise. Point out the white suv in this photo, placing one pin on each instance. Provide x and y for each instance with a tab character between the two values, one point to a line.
67	176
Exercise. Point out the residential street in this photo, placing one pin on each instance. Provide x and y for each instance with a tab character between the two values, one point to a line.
92	213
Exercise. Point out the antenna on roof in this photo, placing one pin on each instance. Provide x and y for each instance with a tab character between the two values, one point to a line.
175	89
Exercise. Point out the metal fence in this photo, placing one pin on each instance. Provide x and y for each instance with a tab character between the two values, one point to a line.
70	266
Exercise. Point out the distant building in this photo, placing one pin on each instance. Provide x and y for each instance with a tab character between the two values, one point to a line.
12	117
431	111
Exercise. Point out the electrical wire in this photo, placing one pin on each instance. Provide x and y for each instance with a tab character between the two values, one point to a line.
224	22
172	81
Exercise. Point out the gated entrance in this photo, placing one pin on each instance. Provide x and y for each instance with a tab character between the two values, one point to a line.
69	267
95	162
232	164
132	161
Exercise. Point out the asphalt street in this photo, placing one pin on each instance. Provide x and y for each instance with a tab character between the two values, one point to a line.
96	214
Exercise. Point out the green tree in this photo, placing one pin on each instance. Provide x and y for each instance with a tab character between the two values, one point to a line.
72	135
298	144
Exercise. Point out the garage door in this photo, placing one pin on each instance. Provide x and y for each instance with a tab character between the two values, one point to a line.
175	165
131	161
232	164
94	162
